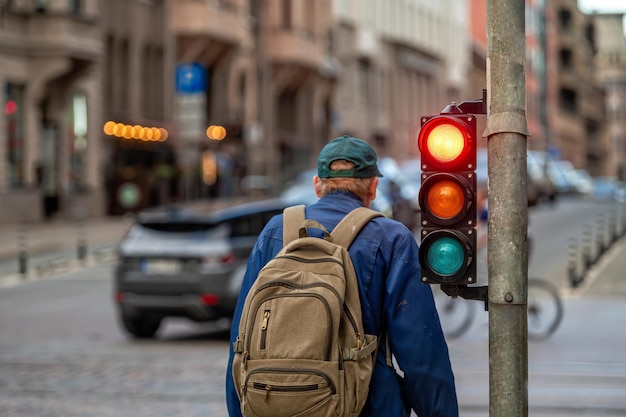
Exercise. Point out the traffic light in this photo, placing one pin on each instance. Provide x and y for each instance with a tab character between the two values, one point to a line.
447	252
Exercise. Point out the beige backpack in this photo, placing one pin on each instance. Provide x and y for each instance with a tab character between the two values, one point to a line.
301	349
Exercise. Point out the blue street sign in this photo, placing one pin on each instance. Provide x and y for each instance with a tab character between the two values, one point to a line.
190	78
554	152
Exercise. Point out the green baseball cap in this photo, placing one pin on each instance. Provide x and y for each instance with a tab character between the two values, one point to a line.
351	149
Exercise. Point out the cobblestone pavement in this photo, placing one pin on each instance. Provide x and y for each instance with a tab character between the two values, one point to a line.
148	380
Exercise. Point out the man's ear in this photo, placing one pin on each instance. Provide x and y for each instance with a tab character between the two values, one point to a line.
316	181
373	188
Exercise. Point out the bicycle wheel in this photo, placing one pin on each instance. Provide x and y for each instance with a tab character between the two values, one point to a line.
456	315
545	309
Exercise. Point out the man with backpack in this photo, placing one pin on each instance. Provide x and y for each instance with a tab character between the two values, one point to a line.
274	368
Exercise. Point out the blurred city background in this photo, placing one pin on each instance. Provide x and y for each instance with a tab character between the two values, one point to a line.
112	107
144	144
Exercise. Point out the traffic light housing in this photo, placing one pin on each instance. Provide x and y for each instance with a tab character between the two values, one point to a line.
447	198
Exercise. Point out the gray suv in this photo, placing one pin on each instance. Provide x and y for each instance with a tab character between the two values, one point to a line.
186	261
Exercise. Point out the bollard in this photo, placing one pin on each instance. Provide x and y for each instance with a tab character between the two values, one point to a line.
574	277
600	238
82	241
620	222
586	247
623	220
22	256
612	227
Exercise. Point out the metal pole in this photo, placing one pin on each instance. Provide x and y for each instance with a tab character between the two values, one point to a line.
23	251
262	158
508	209
81	244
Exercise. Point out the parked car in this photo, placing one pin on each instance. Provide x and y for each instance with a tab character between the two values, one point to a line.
542	175
609	188
412	169
584	182
186	260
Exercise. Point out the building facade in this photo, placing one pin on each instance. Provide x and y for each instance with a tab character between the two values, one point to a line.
116	106
577	121
610	64
51	55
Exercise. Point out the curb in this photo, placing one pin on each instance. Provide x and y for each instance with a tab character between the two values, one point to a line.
59	265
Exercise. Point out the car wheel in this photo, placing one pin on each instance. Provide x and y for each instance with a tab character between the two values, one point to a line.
141	326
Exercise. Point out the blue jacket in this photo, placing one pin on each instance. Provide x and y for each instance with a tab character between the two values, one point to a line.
393	300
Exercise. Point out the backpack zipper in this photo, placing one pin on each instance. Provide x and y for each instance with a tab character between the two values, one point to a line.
310	261
284	388
292	388
291	285
266	318
355	327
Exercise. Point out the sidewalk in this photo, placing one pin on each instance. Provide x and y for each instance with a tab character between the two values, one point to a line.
58	240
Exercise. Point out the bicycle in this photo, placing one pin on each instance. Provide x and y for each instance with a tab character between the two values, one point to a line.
544	306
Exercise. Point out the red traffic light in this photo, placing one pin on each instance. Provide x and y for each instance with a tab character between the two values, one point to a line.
447	142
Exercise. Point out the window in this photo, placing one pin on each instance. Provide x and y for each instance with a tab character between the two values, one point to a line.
152	81
288	109
365	79
75	7
78	120
286	15
41	6
14	116
565	57
567	100
565	19
109	74
122	62
309	18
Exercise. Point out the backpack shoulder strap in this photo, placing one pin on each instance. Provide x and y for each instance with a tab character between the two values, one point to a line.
293	217
350	226
345	232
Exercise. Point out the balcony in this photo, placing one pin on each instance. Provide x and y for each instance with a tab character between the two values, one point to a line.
65	36
198	18
295	48
50	33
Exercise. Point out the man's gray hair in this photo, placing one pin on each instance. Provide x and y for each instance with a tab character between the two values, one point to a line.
358	186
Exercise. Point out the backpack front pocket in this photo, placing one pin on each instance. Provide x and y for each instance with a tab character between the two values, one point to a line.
289	392
277	333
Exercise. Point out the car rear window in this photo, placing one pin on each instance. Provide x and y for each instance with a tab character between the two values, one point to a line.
253	224
179	227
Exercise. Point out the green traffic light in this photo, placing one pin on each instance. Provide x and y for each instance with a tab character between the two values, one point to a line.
445	256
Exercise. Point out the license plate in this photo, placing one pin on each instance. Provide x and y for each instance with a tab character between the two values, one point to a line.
162	266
